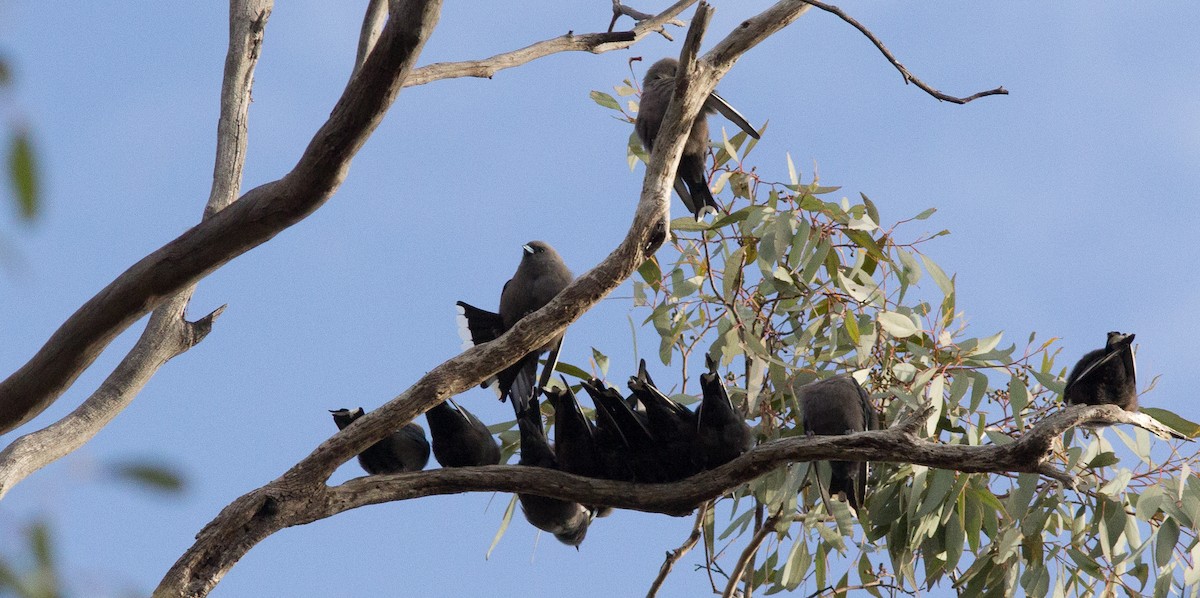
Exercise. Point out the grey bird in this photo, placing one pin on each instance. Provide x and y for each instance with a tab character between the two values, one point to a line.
833	407
540	276
403	450
459	438
1105	376
672	425
691	183
567	520
722	433
628	449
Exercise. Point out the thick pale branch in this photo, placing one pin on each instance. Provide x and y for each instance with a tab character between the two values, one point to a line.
167	333
595	43
372	24
254	219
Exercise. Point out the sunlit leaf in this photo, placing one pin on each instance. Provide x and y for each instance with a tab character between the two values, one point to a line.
604	100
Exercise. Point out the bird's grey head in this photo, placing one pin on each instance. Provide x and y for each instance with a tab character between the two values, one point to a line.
663	69
539	251
343	417
1115	337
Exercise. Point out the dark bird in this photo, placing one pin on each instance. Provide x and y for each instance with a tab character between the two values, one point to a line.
459	438
575	439
574	435
403	450
672	425
691	183
540	276
722	432
1105	376
833	407
627	449
567	520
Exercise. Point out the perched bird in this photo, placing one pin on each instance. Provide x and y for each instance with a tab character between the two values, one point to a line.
836	406
540	276
672	425
574	435
722	433
575	439
627	448
459	438
1105	376
690	180
404	450
567	520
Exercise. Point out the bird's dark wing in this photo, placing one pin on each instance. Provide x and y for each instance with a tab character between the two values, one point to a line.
717	103
1090	369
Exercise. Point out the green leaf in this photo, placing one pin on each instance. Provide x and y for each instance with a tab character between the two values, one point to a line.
153	476
22	174
1164	542
601	361
897	325
1173	421
604	100
651	273
939	276
504	521
925	214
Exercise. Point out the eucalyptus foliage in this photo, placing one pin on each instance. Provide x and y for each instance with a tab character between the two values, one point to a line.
796	282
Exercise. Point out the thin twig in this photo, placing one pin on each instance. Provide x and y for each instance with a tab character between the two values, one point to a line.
595	43
673	556
747	557
620	10
908	77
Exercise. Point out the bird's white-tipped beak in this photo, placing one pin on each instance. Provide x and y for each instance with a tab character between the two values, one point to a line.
527	249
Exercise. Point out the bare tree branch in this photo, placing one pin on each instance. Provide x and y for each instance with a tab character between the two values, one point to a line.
620	10
260	214
168	333
254	219
908	77
294	500
373	20
747	556
595	43
673	556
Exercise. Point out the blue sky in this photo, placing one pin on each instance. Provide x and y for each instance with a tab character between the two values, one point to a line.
1070	202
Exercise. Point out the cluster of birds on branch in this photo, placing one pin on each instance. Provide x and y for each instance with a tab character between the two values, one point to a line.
647	437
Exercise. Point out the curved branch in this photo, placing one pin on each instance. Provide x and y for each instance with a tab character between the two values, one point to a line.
258	216
368	34
168	334
620	10
908	77
291	500
596	43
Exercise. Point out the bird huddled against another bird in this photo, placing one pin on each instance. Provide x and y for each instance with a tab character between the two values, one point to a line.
567	520
1105	376
403	450
691	183
722	432
833	407
540	276
672	425
459	438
